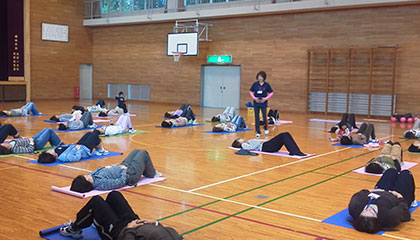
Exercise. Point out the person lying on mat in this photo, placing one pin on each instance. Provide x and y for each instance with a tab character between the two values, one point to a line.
226	116
117	111
349	120
27	110
413	133
272	145
115	219
177	113
363	135
385	206
186	118
66	117
31	144
122	125
127	173
8	130
76	123
76	151
390	157
272	117
237	123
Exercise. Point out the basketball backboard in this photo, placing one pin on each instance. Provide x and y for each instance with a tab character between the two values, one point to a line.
186	43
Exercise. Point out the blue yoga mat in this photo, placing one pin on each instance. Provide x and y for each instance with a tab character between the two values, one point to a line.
93	157
89	233
75	130
25	116
49	121
190	125
241	130
350	146
343	219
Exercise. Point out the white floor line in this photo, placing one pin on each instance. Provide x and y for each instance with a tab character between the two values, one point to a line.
267	169
63	165
272	168
391	236
238	203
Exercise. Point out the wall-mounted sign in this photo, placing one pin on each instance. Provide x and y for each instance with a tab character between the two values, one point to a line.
55	32
219	59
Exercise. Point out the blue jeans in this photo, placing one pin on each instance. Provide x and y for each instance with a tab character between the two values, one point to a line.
29	109
44	136
239	122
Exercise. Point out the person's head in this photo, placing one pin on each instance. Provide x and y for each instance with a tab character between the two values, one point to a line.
168	115
367	222
346	140
261	76
167	124
47	156
4	113
102	114
237	143
333	129
5	149
374	167
215	119
410	135
81	184
55	118
121	94
218	129
62	126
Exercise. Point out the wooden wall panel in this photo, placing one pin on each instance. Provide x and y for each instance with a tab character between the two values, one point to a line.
55	65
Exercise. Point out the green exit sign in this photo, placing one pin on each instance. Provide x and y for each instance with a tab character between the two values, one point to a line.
219	59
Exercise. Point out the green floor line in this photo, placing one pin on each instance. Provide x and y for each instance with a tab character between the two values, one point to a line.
265	185
353	178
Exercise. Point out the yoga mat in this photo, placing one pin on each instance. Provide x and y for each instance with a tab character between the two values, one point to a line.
124	134
189	125
279	153
93	157
327	120
342	219
240	130
75	130
142	181
350	146
131	115
413	152
405	166
36	151
94	120
278	123
89	233
25	116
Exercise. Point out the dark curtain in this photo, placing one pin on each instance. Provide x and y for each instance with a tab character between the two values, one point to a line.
3	41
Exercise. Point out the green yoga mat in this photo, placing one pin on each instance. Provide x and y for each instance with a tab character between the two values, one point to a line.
124	134
413	152
36	151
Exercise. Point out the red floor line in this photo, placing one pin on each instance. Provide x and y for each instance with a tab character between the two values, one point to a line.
184	204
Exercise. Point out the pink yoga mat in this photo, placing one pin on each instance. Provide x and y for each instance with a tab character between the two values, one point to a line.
131	115
407	165
279	153
66	190
279	122
94	120
327	120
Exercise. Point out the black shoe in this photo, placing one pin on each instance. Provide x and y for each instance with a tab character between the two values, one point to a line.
390	142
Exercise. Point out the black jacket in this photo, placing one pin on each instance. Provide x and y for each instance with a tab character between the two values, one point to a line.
391	210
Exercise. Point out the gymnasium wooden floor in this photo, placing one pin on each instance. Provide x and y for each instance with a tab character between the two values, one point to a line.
210	193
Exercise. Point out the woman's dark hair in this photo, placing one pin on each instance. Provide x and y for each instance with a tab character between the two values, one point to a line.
168	115
218	129
367	224
413	148
4	150
236	143
333	129
374	168
102	114
121	92
262	74
45	157
166	124
342	125
3	113
81	185
62	126
346	140
410	135
54	118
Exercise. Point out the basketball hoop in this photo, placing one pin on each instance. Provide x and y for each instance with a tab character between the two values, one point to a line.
177	55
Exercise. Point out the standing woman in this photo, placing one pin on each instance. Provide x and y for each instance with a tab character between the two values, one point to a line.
261	92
